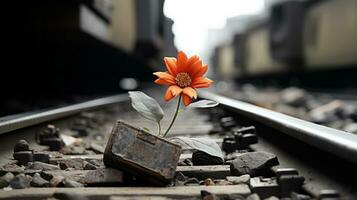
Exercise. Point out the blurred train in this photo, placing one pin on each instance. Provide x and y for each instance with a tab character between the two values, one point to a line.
310	44
55	51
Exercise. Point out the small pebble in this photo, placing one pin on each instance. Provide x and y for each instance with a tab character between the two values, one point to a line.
253	196
75	163
73	150
89	166
21	181
6	179
38	181
208	182
56	181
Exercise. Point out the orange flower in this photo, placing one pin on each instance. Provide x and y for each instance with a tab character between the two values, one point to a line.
183	76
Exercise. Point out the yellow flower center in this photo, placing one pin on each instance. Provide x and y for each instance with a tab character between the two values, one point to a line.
183	79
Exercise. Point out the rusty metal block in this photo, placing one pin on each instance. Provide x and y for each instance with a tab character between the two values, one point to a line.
141	154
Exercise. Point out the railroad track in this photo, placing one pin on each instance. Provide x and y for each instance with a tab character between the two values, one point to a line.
324	158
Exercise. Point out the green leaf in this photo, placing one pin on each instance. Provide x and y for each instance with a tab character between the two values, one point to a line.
203	104
146	106
206	145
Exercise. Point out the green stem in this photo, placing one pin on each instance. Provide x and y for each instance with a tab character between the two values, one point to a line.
159	127
174	118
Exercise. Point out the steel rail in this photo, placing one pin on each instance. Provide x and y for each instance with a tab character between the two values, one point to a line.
37	118
339	143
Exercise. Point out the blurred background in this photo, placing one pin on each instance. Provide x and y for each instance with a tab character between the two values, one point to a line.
59	52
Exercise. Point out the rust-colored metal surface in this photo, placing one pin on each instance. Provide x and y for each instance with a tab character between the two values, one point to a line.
142	154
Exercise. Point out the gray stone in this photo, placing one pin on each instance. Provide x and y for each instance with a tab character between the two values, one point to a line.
239	179
38	181
89	166
294	96
56	181
97	163
208	182
6	179
253	163
75	163
21	181
72	184
351	128
43	166
21	145
73	150
179	179
97	148
253	196
13	168
101	176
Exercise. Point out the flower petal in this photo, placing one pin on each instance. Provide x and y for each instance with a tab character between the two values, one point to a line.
201	82
161	81
190	62
171	66
164	75
175	90
194	68
181	61
189	91
172	91
168	95
201	71
186	99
